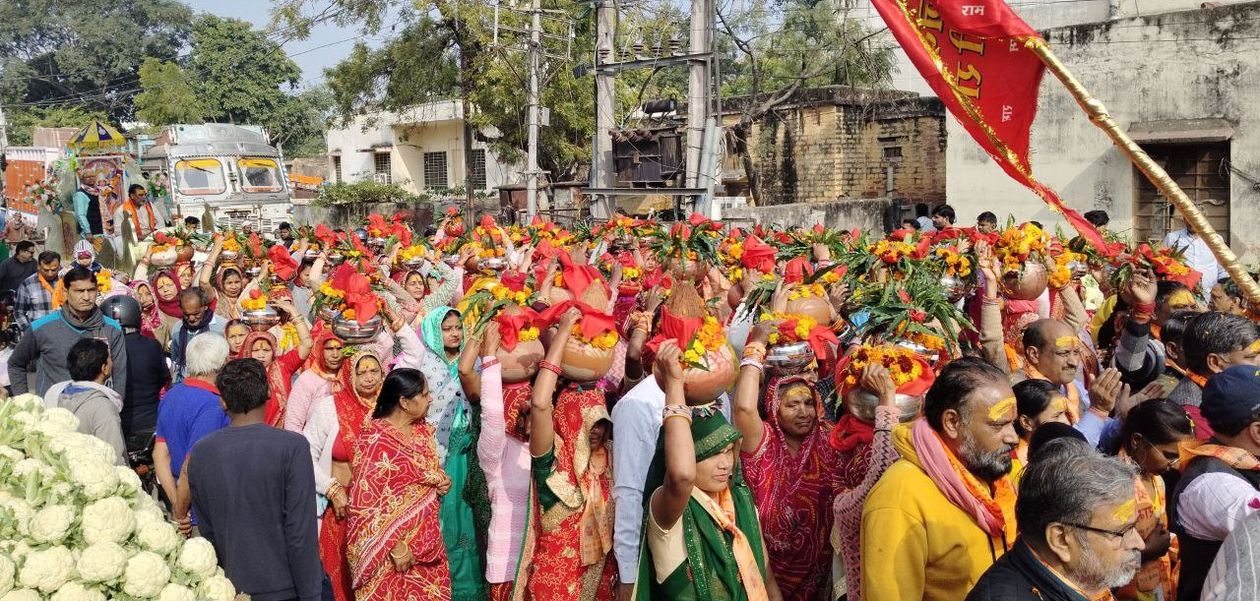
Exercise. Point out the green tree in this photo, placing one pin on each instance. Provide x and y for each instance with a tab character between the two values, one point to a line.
241	75
84	53
22	122
167	96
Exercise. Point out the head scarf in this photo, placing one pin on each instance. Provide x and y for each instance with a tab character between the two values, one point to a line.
150	319
353	409
431	333
169	307
447	402
315	361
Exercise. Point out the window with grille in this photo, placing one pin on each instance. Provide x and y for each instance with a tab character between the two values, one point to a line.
381	165
1200	170
479	169
336	170
435	171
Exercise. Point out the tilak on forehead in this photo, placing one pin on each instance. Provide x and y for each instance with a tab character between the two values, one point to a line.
1067	342
1002	409
1181	298
1255	347
1125	511
1059	404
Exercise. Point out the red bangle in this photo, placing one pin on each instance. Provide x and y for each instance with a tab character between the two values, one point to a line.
549	366
491	362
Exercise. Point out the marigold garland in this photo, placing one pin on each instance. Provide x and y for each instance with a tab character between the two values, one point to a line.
902	364
708	338
257	301
804	324
104	281
528	334
603	341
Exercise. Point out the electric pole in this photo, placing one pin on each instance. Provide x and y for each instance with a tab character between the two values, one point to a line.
531	175
605	101
698	84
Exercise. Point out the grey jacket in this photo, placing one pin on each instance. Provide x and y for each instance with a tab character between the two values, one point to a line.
43	349
97	408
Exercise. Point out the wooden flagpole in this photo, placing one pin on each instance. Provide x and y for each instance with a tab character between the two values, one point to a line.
1189	212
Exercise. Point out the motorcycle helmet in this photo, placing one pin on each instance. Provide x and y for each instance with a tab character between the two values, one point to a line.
124	309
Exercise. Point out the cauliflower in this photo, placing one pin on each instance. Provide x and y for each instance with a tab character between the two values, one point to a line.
102	562
56	421
128	477
107	520
47	569
28	401
7	572
197	558
51	524
146	575
156	534
216	588
11	453
176	592
73	591
25	594
96	478
21	510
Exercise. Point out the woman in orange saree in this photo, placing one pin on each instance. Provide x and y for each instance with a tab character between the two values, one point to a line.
394	538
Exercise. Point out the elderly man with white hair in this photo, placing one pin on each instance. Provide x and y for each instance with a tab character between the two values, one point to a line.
189	411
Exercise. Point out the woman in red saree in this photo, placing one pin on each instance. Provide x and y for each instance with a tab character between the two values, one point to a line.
332	429
280	368
394	538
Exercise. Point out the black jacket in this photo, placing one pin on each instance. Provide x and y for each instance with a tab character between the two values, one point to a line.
1020	576
12	272
146	375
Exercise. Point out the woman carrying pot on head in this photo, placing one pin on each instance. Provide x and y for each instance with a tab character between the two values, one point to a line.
442	333
394	531
151	321
702	539
568	556
317	380
791	468
228	283
280	366
331	429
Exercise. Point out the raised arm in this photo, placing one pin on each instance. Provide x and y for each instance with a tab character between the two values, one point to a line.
542	429
468	376
992	342
205	277
748	388
493	423
305	343
671	499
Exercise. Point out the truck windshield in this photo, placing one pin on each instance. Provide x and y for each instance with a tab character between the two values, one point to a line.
260	175
200	176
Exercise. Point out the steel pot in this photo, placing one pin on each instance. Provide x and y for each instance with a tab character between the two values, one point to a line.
328	313
229	255
353	332
955	288
861	403
413	264
789	359
260	320
376	244
494	263
336	258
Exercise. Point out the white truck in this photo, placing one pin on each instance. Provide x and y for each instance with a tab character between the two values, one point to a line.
230	169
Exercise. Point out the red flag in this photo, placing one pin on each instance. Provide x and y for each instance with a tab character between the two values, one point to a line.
976	55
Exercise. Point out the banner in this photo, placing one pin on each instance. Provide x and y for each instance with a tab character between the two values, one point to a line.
976	56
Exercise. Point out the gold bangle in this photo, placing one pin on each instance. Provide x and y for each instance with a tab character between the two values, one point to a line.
682	415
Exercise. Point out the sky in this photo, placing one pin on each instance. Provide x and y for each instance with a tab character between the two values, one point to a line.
326	46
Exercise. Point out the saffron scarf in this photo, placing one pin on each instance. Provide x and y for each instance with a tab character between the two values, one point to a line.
131	209
151	318
956	482
1232	456
722	509
55	292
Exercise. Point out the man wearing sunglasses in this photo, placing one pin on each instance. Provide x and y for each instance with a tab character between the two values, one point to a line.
1077	514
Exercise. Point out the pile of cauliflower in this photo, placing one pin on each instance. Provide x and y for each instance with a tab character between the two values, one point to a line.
75	527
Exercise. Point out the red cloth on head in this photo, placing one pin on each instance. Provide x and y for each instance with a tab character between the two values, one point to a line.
282	262
593	322
758	255
673	327
510	326
796	270
577	278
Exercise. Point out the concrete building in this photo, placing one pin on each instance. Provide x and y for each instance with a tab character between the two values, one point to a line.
835	142
420	149
1180	76
1184	86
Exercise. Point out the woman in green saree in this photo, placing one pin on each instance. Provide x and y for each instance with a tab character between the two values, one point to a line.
449	412
702	539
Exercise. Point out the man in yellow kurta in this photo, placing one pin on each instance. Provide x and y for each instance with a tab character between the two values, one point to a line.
945	511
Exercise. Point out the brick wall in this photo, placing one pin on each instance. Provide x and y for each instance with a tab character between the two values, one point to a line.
838	143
